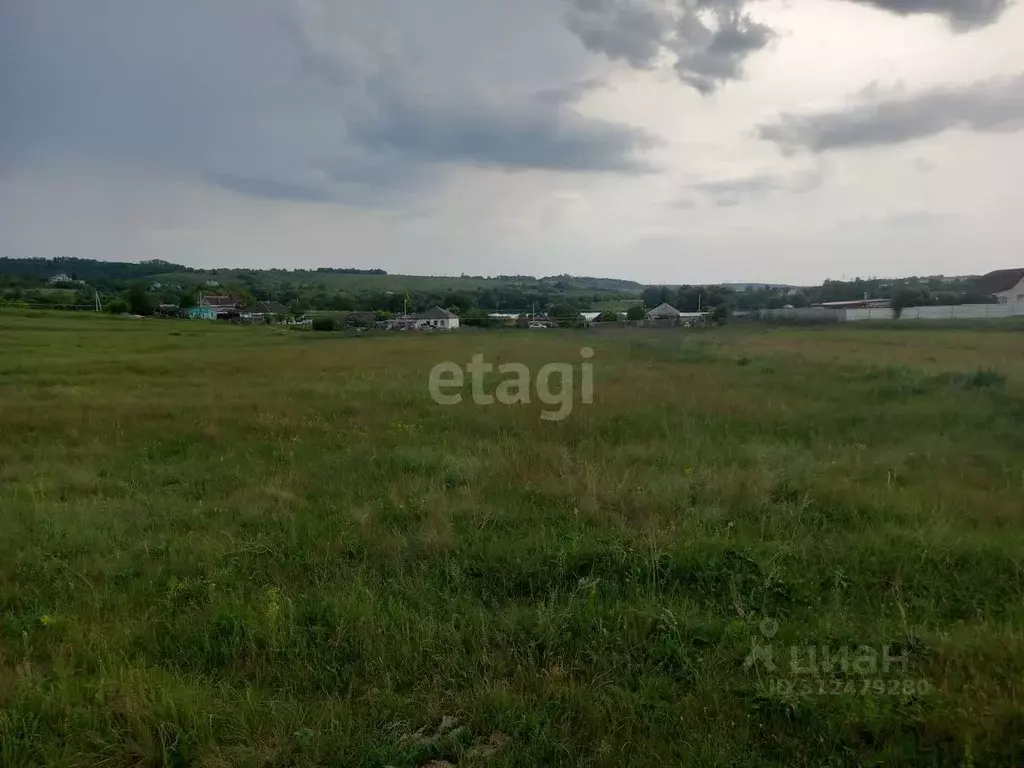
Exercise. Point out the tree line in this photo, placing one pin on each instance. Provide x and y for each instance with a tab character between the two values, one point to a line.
141	288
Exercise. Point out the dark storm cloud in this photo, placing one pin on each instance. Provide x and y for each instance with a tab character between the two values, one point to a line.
503	134
367	98
986	106
291	101
633	31
962	14
707	41
712	54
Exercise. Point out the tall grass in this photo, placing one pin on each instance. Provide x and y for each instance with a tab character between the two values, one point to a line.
251	546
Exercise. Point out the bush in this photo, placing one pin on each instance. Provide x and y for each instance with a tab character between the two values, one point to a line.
983	378
117	307
323	324
635	312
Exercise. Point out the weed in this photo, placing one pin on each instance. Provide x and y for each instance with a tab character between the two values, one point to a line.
983	378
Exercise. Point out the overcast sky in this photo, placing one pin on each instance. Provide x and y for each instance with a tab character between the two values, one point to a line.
659	140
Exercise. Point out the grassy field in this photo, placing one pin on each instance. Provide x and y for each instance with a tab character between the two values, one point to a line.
225	546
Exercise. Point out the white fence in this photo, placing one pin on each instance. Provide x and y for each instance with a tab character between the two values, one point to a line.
963	312
804	315
957	312
875	313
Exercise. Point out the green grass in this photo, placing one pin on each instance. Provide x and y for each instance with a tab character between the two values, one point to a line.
228	546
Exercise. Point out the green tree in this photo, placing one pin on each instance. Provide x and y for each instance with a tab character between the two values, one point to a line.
139	302
245	298
341	302
653	295
456	302
117	307
187	300
563	309
909	297
636	312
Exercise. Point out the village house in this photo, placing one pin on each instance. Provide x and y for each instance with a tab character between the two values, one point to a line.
667	316
214	307
663	312
438	318
435	318
62	279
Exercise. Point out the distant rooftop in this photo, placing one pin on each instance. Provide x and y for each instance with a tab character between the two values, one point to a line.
856	303
435	313
663	310
218	301
999	281
267	308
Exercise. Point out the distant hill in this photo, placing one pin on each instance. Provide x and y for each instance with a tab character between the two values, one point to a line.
757	286
346	279
89	270
356	282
